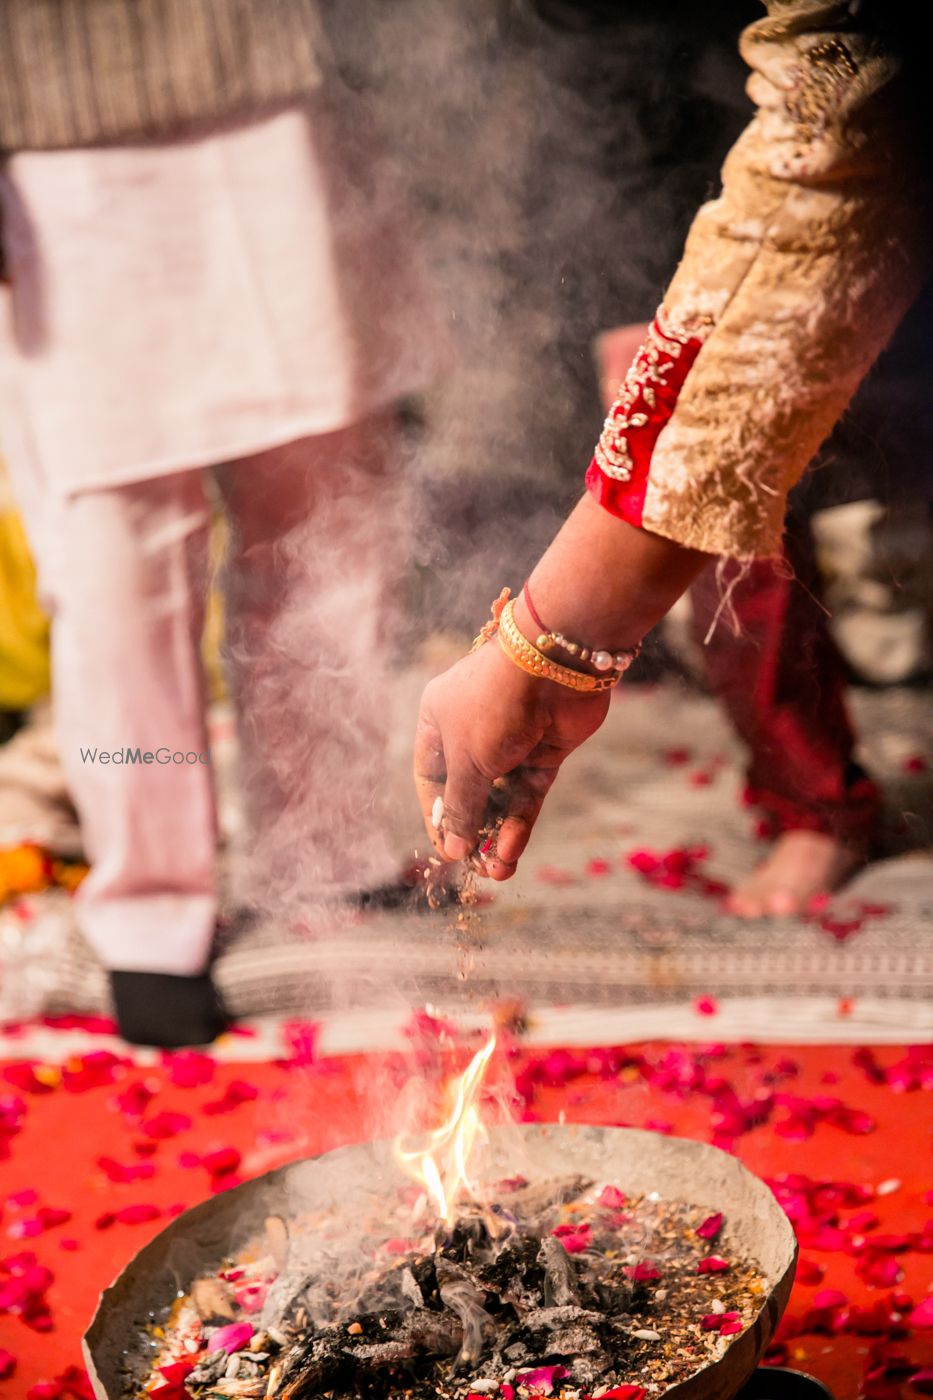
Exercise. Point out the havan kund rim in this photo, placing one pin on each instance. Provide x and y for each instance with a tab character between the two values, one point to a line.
618	1263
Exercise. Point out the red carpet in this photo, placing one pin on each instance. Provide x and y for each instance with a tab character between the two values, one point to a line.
70	1134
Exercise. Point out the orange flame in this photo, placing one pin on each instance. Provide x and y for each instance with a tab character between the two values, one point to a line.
441	1165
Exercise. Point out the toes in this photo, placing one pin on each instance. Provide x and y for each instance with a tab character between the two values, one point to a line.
784	902
745	904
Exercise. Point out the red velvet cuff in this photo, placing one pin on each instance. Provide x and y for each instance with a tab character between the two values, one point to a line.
620	470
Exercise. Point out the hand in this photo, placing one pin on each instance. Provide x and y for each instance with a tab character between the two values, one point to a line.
489	742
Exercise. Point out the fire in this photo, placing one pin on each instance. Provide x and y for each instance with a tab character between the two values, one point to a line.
441	1165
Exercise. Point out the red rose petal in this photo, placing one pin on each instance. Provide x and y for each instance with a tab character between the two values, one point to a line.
135	1171
237	1091
189	1069
26	1197
645	1272
222	1161
137	1214
922	1315
711	1226
165	1125
712	1264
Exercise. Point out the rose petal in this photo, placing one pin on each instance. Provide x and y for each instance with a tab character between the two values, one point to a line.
922	1315
165	1125
712	1264
711	1226
135	1171
237	1091
541	1381
221	1161
137	1214
231	1338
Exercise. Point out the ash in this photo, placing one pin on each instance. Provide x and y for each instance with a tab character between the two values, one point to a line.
496	1305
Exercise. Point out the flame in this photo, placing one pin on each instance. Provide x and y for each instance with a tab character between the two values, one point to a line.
441	1165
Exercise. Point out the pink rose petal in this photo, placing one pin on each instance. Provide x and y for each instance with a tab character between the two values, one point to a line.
541	1381
232	1338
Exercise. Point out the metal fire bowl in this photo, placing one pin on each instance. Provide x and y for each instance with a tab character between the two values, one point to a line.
355	1180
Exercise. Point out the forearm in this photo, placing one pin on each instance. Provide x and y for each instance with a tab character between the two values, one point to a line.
605	582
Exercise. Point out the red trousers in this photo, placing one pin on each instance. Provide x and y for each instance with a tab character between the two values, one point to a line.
782	682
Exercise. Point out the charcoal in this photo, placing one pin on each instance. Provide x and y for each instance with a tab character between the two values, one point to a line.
491	1300
248	1366
373	1355
589	1370
560	1276
210	1369
517	1262
411	1289
315	1364
568	1331
438	1334
534	1200
423	1270
468	1238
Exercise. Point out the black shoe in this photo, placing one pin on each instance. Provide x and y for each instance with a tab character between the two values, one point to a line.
157	1008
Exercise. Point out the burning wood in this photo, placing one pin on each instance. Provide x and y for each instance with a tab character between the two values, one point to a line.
549	1289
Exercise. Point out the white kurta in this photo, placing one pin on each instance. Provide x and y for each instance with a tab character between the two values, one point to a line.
174	305
244	298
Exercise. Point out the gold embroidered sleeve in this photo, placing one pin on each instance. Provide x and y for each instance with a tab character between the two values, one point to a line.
803	267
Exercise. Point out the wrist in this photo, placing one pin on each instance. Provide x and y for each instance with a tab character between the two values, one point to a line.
607	582
573	656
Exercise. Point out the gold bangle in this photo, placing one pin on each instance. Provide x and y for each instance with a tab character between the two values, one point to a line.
528	658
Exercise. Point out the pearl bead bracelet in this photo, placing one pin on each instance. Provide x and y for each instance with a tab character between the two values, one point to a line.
598	658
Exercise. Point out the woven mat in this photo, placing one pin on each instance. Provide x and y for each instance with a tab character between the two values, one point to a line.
567	931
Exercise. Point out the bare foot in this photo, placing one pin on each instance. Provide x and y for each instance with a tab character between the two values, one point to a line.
800	865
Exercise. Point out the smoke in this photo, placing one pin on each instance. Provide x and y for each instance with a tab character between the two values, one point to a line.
529	172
